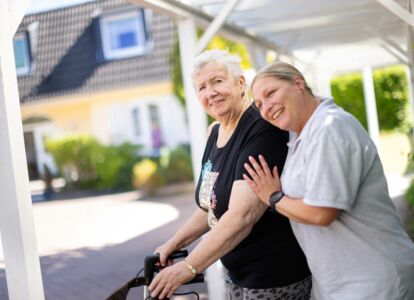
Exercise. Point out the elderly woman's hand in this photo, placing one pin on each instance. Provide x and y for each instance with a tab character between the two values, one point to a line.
262	181
164	251
169	280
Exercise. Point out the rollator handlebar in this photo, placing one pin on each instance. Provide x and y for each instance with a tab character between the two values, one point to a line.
151	266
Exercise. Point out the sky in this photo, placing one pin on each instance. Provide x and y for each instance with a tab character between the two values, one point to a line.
43	5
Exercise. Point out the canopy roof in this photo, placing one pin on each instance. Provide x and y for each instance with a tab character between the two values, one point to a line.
337	36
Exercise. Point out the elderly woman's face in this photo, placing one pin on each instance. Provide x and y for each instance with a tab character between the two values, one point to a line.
217	90
279	101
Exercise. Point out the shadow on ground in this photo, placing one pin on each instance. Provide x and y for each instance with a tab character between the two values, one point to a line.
94	274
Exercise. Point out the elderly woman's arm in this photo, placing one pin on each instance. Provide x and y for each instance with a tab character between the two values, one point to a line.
264	182
234	225
244	211
195	227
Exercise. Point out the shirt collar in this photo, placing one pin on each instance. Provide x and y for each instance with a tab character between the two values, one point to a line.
325	104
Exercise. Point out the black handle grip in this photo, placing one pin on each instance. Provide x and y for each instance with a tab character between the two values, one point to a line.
149	267
150	263
178	254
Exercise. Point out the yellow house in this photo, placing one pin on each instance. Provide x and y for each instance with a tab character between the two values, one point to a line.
100	68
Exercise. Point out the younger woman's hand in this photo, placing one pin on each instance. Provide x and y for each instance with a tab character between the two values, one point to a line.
261	180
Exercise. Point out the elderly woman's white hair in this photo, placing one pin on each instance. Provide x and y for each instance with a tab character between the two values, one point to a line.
222	57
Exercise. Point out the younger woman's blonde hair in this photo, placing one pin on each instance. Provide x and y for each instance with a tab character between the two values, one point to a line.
282	71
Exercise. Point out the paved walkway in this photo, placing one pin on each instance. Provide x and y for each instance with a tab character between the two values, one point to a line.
92	245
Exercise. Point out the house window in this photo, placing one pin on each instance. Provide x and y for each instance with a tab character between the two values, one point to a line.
136	121
124	34
21	53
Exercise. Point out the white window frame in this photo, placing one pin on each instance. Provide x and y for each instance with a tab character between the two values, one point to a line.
27	63
141	27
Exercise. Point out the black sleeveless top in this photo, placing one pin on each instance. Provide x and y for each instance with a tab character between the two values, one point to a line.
270	255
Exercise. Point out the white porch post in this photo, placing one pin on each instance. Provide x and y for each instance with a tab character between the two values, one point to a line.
370	106
257	55
196	116
198	132
21	258
324	84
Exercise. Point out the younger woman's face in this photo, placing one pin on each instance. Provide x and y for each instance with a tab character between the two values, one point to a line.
279	101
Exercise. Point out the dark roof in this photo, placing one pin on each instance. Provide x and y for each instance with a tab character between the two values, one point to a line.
65	60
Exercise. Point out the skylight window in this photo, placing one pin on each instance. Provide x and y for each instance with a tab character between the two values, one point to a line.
124	34
21	53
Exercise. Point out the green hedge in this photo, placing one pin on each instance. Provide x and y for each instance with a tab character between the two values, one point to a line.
409	195
179	168
172	167
87	164
390	91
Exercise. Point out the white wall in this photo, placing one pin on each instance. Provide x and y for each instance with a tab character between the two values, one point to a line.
119	125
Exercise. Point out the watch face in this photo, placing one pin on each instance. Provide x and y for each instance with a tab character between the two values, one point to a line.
275	198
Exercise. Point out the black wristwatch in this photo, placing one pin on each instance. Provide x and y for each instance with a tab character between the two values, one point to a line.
275	198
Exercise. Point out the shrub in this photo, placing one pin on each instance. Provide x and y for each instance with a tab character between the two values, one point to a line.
179	167
409	195
75	157
348	93
85	163
390	91
173	166
115	170
148	176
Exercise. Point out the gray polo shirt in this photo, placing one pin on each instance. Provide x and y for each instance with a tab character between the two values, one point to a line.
364	254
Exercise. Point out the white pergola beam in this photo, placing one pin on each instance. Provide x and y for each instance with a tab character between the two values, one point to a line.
215	26
387	40
162	7
394	53
394	45
182	10
399	11
24	280
257	56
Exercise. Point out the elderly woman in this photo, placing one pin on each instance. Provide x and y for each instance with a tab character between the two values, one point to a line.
256	245
334	191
